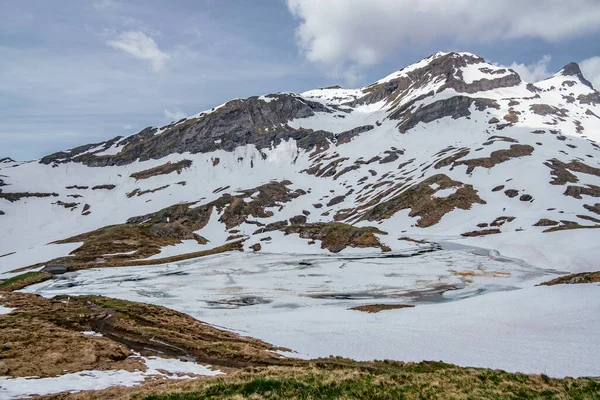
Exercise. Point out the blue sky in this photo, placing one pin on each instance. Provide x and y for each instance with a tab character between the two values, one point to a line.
81	71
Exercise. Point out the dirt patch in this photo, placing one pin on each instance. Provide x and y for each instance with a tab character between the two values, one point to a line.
497	157
584	277
162	170
375	308
511	193
336	236
420	200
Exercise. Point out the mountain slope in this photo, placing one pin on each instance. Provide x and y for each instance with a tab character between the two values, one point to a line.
446	147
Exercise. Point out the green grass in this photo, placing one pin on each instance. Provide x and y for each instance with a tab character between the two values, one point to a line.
418	381
23	280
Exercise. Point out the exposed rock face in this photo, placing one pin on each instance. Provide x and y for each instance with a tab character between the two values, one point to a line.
455	107
237	123
572	69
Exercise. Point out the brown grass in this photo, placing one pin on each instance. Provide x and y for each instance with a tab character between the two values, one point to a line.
336	236
583	277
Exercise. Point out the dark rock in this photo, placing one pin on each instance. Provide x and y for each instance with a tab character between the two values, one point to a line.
298	219
256	247
335	200
511	193
55	269
526	197
498	188
317	205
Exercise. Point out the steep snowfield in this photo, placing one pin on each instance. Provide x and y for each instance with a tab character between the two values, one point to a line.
451	150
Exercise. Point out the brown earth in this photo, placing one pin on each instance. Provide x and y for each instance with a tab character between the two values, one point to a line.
336	236
375	308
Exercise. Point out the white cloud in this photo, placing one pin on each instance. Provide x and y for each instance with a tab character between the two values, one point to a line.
141	46
175	114
535	72
591	70
363	33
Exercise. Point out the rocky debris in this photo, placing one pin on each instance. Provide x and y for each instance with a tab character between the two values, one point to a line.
298	219
493	120
77	187
574	279
545	109
105	187
498	188
256	247
546	222
560	172
482	232
86	210
335	200
511	193
163	169
273	226
419	198
12	197
2	212
55	269
317	205
526	197
591	99
336	236
496	157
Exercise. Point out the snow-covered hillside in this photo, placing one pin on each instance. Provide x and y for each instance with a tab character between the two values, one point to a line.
448	146
375	189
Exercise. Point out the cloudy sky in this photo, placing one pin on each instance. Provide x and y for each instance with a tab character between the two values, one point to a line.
79	71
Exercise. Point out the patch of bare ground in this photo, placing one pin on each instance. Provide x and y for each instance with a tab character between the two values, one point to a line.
452	158
419	198
163	169
138	192
546	222
42	337
104	187
595	208
497	157
145	235
569	225
375	308
408	239
578	191
560	171
545	109
12	197
482	232
336	236
583	277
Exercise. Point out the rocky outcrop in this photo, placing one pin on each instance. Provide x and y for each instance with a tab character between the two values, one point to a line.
237	123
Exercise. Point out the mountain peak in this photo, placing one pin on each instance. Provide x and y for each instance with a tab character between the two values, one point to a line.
572	69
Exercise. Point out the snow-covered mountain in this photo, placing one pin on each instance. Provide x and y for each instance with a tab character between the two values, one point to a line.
449	147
